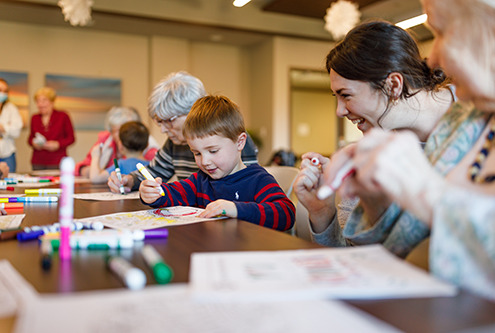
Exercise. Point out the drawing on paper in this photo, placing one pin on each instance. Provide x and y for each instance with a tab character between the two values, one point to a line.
151	219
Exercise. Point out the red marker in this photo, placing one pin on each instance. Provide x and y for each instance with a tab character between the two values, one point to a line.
327	190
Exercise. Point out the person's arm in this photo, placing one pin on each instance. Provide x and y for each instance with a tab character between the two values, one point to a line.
463	235
179	193
270	208
68	130
321	212
13	124
97	175
4	170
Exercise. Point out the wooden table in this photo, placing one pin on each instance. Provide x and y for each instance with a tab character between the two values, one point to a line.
86	270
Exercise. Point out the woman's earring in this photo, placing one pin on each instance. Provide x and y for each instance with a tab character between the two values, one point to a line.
395	100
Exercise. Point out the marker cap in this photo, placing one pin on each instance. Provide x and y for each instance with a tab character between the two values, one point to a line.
135	279
163	273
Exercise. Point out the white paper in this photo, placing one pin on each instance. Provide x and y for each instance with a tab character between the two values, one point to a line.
170	309
151	219
11	221
14	290
364	272
106	196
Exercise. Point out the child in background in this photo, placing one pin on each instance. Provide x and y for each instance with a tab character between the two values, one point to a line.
215	132
133	140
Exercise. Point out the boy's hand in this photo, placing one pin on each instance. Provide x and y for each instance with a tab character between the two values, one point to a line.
149	191
220	208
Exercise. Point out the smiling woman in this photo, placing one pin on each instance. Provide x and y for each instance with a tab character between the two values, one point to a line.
380	80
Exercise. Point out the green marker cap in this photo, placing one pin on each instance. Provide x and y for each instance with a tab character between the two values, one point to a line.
162	272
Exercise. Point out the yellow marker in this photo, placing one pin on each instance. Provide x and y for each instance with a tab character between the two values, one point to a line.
43	191
148	176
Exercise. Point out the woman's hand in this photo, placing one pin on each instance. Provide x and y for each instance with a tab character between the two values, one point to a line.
114	183
306	186
51	145
393	166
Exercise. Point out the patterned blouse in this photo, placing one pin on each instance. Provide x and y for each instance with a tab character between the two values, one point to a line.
462	246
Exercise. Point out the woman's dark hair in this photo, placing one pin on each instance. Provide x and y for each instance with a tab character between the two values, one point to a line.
373	50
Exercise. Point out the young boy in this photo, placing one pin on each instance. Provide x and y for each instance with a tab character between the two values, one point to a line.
133	141
214	130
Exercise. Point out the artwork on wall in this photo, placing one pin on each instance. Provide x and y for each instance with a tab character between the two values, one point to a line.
87	100
18	92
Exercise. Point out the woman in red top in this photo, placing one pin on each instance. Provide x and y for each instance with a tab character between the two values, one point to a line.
51	132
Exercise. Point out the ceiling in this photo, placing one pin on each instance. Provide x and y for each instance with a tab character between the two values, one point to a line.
288	12
390	10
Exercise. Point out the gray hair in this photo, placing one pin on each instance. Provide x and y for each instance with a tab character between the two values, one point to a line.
119	115
174	95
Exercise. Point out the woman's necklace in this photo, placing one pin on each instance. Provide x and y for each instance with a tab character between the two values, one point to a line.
474	171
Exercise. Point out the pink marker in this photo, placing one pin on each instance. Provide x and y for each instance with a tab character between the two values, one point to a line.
325	191
66	210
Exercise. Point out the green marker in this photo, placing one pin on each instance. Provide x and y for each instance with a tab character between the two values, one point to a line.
162	272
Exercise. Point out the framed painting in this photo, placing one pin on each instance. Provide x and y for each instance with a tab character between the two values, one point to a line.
87	100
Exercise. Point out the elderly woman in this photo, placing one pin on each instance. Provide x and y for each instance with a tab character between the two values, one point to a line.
451	190
108	140
168	105
51	132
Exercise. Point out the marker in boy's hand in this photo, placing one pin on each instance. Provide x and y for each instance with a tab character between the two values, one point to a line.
149	191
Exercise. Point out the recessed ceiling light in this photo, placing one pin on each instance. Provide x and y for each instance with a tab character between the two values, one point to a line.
412	22
240	3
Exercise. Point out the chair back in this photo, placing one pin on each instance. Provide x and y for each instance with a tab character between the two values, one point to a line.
285	176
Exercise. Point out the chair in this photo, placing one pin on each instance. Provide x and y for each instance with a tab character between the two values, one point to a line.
285	176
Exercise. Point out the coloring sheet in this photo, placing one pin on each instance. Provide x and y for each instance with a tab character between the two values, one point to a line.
106	196
11	221
362	272
14	290
171	309
150	219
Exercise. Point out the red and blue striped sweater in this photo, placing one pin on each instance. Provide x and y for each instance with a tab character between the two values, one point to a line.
256	194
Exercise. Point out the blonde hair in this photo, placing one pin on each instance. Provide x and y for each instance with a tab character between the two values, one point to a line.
214	115
47	92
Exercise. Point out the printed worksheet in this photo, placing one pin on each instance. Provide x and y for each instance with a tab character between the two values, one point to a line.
362	272
106	196
11	221
171	309
14	290
151	219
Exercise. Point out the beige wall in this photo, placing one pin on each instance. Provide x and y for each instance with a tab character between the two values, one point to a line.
288	54
255	76
138	60
313	122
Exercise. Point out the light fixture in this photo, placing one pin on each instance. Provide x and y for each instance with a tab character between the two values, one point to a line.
412	22
77	12
341	17
240	3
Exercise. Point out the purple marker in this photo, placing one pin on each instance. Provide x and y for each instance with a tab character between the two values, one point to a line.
150	234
